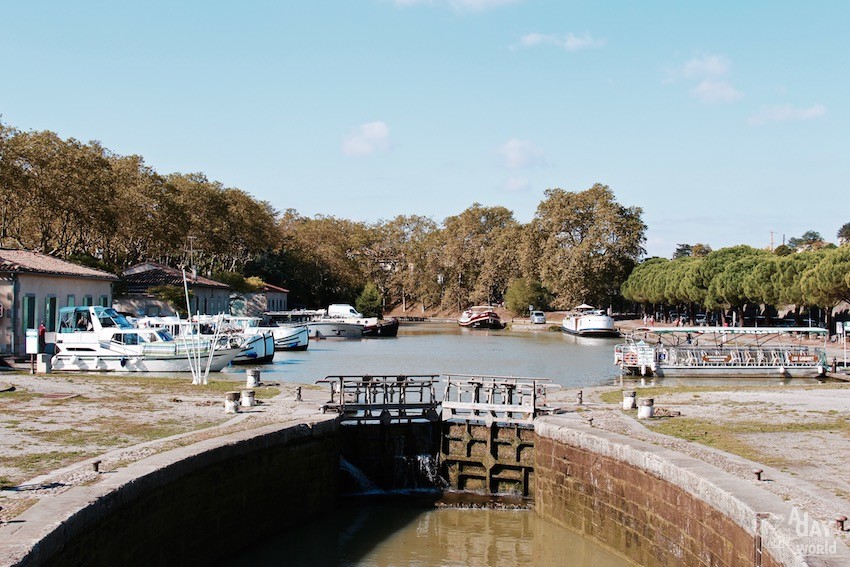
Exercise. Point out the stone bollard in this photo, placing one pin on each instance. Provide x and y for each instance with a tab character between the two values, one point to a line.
758	472
95	466
629	400
839	523
247	400
253	377
579	398
646	408
42	365
231	402
298	394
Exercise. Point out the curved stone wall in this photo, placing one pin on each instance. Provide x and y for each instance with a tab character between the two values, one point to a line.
186	506
659	507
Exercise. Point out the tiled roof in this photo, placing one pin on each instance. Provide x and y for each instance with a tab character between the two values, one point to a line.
26	262
143	276
269	287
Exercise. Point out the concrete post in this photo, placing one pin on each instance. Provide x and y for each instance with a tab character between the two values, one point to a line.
247	400
579	398
253	377
42	364
231	402
629	400
646	409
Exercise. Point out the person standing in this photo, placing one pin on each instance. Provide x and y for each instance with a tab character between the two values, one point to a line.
42	332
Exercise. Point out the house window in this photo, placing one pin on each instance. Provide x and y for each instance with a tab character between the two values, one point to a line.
88	301
104	301
50	313
29	313
205	306
72	301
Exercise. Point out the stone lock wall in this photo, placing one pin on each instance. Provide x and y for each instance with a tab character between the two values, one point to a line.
652	510
189	509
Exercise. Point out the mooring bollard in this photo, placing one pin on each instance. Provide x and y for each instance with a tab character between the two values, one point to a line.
629	400
247	400
298	394
839	523
578	398
646	409
231	402
96	466
757	472
252	377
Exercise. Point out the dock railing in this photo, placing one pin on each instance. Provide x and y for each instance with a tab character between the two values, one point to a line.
385	398
505	399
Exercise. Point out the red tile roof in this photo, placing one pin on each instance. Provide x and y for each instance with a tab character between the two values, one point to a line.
269	287
143	276
26	262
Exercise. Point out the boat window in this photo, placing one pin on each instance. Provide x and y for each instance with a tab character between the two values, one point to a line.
126	338
164	335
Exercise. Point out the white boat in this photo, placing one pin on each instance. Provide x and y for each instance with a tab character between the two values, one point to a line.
318	324
760	352
588	321
480	317
93	338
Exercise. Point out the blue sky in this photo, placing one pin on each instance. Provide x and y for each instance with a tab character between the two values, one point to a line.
723	120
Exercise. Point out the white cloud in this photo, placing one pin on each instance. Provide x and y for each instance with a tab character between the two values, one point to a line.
569	42
517	154
786	112
708	73
367	139
705	67
716	91
517	184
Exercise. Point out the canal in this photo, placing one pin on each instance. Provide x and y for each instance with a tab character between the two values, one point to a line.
364	532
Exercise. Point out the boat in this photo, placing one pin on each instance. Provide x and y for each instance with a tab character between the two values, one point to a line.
94	338
763	352
382	328
588	321
317	323
480	317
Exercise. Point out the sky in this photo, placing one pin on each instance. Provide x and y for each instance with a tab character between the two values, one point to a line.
726	122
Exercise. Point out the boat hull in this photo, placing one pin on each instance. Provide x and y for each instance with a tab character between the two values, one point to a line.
258	350
590	326
291	338
388	328
334	330
93	361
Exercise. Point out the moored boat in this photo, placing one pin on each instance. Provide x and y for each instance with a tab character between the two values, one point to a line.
480	317
759	352
588	321
94	338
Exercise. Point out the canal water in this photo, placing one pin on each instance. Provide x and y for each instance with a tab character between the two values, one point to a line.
372	534
446	348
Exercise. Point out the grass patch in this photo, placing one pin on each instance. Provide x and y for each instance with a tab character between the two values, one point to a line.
33	464
730	436
616	396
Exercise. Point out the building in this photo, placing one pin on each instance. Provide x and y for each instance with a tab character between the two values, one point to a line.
267	298
34	286
209	297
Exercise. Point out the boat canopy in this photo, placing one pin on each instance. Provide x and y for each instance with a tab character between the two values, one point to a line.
731	330
80	318
583	306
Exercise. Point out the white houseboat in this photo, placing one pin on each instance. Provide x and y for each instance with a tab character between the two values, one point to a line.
588	321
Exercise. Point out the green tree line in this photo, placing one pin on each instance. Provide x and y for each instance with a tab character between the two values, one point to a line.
740	278
81	201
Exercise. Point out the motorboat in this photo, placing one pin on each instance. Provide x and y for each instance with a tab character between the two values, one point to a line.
588	321
372	326
761	352
94	338
480	317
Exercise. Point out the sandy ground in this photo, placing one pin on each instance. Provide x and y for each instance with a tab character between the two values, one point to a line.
52	428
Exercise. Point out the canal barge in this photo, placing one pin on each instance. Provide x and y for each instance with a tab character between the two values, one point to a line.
712	352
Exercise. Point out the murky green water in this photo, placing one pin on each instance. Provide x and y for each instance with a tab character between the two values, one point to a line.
394	535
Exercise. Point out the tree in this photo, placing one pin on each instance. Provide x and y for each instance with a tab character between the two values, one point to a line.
370	302
811	240
782	250
844	234
522	293
682	250
700	250
586	244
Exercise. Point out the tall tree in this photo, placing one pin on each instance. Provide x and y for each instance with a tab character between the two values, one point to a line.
587	244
